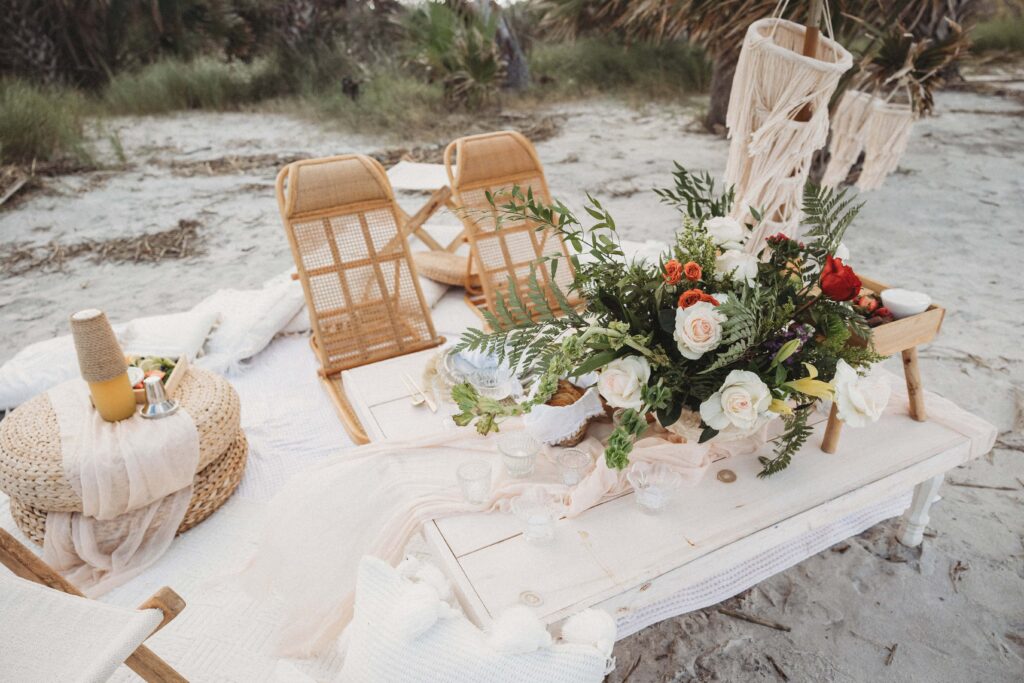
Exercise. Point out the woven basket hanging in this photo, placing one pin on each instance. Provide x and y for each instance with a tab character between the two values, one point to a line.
770	153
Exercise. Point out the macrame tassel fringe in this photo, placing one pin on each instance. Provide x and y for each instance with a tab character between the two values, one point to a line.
770	153
885	140
848	123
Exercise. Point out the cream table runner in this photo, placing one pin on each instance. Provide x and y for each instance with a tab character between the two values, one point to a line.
372	500
135	481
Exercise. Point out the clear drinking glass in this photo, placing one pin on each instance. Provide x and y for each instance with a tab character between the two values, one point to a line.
475	481
654	486
518	452
538	510
492	382
573	465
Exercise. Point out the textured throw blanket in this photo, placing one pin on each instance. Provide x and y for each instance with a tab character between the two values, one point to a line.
135	481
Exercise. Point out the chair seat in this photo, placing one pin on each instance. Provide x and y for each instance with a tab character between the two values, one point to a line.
54	636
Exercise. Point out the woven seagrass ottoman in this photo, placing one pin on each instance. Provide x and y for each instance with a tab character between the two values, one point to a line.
32	475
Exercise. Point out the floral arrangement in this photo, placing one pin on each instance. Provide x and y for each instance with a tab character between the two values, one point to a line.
713	341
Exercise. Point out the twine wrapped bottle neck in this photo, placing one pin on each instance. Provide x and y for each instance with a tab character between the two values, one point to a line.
99	354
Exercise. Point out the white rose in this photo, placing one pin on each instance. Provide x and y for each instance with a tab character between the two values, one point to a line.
742	402
860	400
622	381
739	264
698	329
726	232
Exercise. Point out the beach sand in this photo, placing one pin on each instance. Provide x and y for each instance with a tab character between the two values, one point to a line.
950	222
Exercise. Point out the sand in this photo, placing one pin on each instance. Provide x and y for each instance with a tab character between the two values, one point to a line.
948	222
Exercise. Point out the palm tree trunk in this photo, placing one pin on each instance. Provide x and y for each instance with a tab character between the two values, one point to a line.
723	68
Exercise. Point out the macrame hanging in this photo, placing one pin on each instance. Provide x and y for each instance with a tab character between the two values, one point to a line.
886	135
866	123
770	153
848	124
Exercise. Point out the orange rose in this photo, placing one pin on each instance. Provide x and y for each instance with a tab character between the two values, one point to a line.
692	271
704	296
673	272
690	297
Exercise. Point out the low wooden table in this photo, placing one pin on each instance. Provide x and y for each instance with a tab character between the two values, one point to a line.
616	558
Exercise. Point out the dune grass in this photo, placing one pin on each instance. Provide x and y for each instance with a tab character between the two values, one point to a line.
388	100
173	85
639	70
40	123
1003	34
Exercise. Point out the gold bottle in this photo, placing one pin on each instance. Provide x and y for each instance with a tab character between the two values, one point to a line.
102	364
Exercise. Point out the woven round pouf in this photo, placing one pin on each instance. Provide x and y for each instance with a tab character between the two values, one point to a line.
210	489
31	468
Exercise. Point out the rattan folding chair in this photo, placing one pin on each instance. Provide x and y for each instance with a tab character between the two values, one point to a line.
503	252
32	607
362	291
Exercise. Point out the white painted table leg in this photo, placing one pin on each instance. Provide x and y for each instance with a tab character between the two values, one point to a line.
916	518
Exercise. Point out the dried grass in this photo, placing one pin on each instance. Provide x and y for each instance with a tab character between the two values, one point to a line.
179	242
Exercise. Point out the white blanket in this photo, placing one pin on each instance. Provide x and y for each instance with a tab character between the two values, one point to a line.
135	481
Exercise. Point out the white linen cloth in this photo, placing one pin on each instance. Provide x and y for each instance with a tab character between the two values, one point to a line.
51	636
135	481
372	500
404	631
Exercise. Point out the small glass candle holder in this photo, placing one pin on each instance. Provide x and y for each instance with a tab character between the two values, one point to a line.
654	486
573	465
475	481
538	510
518	452
492	382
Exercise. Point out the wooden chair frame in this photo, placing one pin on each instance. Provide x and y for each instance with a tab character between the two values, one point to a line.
24	563
494	281
394	336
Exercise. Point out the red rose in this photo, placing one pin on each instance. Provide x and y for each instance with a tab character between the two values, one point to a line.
883	312
692	271
838	281
673	272
690	297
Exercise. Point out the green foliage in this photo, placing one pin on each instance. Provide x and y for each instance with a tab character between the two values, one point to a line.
694	195
391	102
1004	34
457	48
828	213
635	71
173	85
40	123
796	433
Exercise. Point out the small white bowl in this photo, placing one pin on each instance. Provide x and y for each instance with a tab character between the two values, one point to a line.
903	303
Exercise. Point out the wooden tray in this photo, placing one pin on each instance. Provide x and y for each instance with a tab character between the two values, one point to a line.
905	333
179	371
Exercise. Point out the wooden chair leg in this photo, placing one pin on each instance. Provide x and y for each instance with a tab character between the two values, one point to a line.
348	416
24	563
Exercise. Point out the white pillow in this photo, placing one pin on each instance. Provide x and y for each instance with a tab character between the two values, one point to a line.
43	365
403	631
249	320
